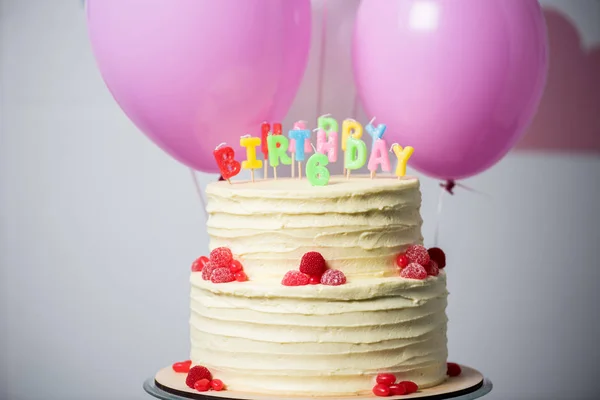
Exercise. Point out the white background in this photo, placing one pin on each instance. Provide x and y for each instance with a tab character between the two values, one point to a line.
99	227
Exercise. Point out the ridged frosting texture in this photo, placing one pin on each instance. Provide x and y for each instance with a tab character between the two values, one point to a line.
320	340
260	336
359	225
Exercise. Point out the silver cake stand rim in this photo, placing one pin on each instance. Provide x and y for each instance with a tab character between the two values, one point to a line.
153	390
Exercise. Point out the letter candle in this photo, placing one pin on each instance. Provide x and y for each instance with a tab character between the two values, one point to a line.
299	138
355	155
251	163
327	137
379	156
350	128
265	129
278	145
375	132
402	154
299	125
229	167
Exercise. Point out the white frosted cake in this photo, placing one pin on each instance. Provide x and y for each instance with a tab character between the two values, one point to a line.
261	335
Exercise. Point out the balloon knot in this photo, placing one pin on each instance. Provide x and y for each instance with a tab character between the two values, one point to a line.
449	186
221	178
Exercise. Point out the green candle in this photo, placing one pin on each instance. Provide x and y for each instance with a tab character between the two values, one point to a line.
316	171
356	153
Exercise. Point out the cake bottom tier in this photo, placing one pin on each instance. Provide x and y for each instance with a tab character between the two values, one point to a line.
320	340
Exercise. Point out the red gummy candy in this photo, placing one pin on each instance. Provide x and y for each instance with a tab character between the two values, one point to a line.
397	389
333	277
436	254
217	385
208	270
414	271
196	373
314	280
221	257
235	266
199	264
416	253
410	386
402	261
312	264
202	385
295	278
222	275
182	366
432	268
453	369
381	390
241	276
386	379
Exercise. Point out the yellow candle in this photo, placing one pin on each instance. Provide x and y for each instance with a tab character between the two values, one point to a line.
250	143
402	154
352	128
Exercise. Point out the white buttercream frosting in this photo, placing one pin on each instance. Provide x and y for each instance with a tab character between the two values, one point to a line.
261	336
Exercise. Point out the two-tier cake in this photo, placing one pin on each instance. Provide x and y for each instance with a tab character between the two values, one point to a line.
262	329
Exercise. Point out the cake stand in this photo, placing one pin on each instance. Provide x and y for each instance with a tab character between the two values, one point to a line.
169	385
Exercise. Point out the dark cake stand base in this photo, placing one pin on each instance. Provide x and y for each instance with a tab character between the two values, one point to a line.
169	385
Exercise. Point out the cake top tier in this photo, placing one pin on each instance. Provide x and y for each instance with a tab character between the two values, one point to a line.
296	188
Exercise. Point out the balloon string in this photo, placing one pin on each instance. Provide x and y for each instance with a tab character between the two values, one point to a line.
321	75
439	217
199	192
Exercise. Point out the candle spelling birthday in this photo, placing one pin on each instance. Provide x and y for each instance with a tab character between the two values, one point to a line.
293	149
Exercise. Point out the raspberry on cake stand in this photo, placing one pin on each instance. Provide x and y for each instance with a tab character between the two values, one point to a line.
170	385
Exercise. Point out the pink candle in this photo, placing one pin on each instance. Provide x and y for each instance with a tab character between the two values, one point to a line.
379	156
328	144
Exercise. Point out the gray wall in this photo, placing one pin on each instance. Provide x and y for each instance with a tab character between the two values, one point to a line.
98	229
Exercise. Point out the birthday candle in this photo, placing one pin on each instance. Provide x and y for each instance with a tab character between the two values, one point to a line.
328	145
316	171
350	128
300	125
379	156
402	154
251	163
327	123
276	153
225	157
265	130
375	132
355	155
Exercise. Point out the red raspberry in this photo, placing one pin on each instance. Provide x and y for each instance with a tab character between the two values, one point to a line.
222	275
386	379
435	253
295	278
217	385
221	257
235	266
410	386
182	366
416	253
453	369
312	264
432	268
241	276
196	373
203	385
314	280
199	263
333	277
402	261
208	270
397	389
414	271
381	390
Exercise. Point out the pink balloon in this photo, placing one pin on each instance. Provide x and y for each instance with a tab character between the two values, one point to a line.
459	80
194	73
